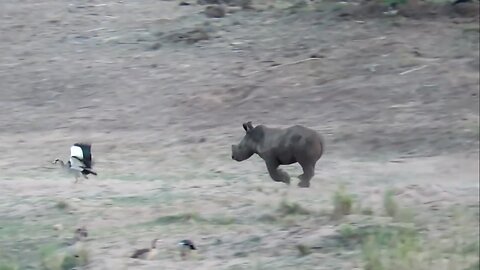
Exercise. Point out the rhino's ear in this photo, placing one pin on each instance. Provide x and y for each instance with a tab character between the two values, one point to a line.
245	126
257	134
248	126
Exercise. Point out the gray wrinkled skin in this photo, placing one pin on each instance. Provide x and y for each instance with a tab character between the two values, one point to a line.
281	147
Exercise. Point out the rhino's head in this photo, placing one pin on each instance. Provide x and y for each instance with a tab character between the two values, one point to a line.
249	144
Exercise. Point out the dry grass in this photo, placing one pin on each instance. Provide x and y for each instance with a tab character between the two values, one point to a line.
394	210
54	258
287	208
8	266
303	250
62	205
409	249
389	204
342	203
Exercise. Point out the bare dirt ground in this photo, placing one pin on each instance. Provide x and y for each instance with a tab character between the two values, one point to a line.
162	91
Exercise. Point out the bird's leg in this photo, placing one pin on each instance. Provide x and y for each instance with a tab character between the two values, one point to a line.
182	254
77	177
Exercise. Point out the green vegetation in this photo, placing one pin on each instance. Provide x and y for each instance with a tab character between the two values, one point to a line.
393	210
342	203
385	249
394	2
389	203
54	258
8	266
303	250
62	205
287	208
192	218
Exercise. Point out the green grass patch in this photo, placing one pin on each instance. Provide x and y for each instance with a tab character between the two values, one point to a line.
303	250
8	265
351	236
287	208
386	250
62	205
192	218
342	203
55	258
393	210
389	204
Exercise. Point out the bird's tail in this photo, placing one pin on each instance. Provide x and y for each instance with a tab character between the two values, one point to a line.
90	171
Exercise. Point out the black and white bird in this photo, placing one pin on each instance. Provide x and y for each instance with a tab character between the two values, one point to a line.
146	253
186	246
80	162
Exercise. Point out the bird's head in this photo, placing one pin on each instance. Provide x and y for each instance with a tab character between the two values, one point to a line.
155	242
81	232
56	161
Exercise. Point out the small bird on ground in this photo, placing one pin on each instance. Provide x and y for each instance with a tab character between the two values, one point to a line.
146	253
79	238
80	234
80	162
186	246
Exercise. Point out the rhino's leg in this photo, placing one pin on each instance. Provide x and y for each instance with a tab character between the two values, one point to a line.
308	173
277	174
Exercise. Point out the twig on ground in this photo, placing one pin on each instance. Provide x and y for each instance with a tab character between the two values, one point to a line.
282	65
413	69
95	29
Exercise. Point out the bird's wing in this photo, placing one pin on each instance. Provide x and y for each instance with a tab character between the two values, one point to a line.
187	243
76	151
139	252
86	150
77	164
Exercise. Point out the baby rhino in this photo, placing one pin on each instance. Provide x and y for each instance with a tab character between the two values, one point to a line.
282	147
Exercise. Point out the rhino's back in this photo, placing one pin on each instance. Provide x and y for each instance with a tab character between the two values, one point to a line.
302	140
299	131
295	137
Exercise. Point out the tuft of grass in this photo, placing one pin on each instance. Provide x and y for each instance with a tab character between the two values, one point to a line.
351	236
347	231
367	211
82	256
178	218
342	203
363	210
222	220
396	2
471	29
474	266
386	251
62	205
303	250
403	249
389	204
8	266
267	218
287	208
393	210
193	217
54	258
